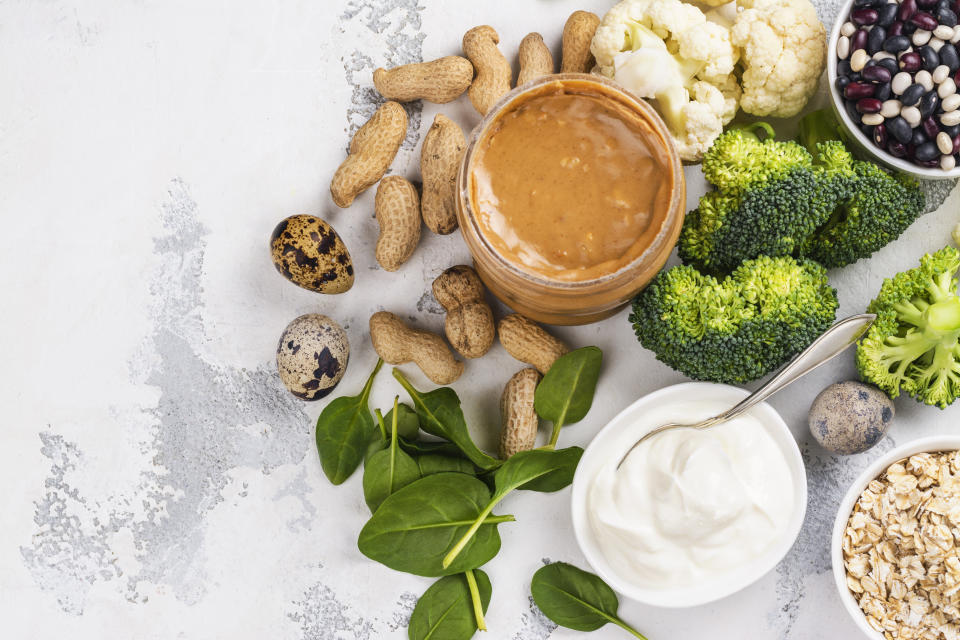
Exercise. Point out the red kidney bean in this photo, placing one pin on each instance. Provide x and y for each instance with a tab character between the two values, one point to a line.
858	40
857	90
869	105
895	29
864	17
910	62
956	143
876	73
880	136
930	127
924	20
907	9
897	149
930	164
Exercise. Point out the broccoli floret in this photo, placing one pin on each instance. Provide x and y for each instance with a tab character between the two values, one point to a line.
914	344
811	200
739	328
770	197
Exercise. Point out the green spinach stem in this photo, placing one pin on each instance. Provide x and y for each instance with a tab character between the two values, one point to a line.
623	625
475	597
481	519
383	427
555	435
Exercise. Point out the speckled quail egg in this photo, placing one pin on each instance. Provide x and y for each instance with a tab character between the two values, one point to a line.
850	417
312	356
309	253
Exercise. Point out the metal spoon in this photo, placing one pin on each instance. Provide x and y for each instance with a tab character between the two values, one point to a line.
832	343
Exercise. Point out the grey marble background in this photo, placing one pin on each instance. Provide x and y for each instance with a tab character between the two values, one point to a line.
158	480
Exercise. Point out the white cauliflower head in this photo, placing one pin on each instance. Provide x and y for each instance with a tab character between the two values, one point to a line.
783	47
667	50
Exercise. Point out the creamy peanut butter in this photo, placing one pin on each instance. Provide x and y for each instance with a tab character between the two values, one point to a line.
571	183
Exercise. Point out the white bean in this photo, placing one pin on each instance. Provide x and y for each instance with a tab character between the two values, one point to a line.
936	43
891	108
880	55
920	37
843	47
911	115
858	59
947	163
924	78
950	118
871	119
951	103
956	36
848	29
940	74
900	82
947	88
944	142
943	32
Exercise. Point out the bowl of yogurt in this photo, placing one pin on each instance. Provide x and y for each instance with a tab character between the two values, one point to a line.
690	516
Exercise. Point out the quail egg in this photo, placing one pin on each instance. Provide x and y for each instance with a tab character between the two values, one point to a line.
308	252
850	417
312	356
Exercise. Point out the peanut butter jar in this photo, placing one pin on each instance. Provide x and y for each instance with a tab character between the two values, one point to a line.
571	198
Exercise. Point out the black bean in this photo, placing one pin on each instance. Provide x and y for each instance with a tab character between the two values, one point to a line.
899	129
897	149
841	83
929	103
928	57
930	164
909	28
874	39
930	127
918	138
880	136
882	92
952	130
926	3
910	61
889	64
876	74
896	44
851	108
941	4
947	17
843	68
950	57
867	130
859	40
912	95
865	3
924	20
907	9
895	29
887	14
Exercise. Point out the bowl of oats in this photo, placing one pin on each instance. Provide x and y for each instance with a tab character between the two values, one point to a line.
896	543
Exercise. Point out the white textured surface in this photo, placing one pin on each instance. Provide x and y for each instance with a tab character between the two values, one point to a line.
157	480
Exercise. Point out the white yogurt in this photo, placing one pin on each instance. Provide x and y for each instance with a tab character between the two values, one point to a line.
688	506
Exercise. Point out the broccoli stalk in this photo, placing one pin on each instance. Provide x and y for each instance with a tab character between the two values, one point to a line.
914	345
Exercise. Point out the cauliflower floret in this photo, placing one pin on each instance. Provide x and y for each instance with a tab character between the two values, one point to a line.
702	120
783	47
667	50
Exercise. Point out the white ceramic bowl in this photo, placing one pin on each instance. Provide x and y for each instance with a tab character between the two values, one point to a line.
855	134
615	437
935	443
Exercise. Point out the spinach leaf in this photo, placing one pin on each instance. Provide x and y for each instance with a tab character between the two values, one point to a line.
445	611
576	599
432	463
408	424
414	526
387	470
536	470
428	447
440	415
565	394
344	429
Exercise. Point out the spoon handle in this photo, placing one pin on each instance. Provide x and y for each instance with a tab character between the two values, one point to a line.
829	345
